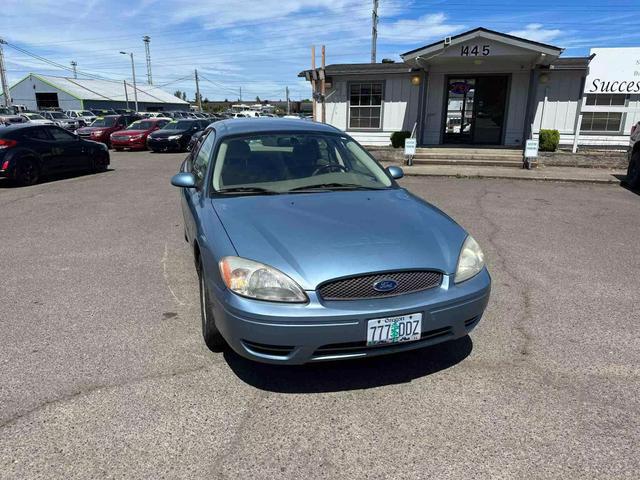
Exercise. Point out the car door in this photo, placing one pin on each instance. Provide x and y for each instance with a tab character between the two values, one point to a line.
193	198
41	142
69	152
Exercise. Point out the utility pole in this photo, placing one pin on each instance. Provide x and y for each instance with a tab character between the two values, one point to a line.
126	94
322	87
146	39
374	30
74	64
198	98
313	80
3	78
286	91
133	73
240	98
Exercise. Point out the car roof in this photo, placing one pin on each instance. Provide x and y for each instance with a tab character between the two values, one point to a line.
20	126
238	126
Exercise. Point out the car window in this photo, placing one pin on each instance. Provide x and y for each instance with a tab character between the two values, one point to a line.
61	135
36	134
284	162
200	163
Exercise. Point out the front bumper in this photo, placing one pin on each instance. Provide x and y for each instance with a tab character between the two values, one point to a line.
164	144
321	330
128	143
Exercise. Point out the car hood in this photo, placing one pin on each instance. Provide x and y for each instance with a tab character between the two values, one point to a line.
92	129
130	133
321	236
167	133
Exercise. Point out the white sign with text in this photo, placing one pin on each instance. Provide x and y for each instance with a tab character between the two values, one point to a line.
614	70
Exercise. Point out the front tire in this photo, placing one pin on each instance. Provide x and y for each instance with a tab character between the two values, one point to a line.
212	337
633	172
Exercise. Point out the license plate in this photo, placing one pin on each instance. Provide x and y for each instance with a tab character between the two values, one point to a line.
405	328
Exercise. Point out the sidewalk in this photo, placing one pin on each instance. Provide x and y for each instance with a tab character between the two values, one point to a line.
554	174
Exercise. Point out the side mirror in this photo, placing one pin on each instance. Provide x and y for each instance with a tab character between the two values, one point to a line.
395	172
184	180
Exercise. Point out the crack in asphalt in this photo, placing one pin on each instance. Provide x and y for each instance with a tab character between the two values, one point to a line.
521	286
238	435
85	392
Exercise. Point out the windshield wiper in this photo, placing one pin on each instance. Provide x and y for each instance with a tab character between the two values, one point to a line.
257	190
331	186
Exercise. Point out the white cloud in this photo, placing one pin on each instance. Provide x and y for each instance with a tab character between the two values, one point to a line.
537	33
420	30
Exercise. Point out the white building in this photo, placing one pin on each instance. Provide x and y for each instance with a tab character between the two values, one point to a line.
38	92
480	87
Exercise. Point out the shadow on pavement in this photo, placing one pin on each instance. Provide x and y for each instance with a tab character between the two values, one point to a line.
4	183
350	374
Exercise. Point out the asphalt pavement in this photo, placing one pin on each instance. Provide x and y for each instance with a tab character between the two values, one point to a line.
103	372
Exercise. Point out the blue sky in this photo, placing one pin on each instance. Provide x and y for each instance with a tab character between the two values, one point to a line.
262	45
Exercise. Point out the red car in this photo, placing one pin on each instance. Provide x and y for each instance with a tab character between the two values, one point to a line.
102	127
134	137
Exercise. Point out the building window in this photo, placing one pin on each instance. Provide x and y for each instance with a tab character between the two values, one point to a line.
601	122
365	105
607	100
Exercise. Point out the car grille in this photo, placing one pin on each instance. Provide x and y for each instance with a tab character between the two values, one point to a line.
362	287
84	134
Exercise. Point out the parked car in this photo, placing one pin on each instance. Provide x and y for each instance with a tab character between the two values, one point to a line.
60	119
36	118
633	172
30	151
175	135
307	249
102	127
134	137
84	117
8	117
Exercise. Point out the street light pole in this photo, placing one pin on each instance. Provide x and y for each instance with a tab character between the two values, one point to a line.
133	73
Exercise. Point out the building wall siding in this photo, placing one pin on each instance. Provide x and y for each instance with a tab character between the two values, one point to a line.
399	109
24	93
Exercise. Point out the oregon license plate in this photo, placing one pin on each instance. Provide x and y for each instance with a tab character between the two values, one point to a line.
405	328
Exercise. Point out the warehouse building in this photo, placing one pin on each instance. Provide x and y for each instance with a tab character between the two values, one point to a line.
479	88
39	92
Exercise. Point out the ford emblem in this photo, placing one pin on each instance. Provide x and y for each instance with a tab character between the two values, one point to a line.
385	285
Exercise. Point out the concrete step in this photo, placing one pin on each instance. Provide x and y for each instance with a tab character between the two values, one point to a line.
474	156
467	161
509	152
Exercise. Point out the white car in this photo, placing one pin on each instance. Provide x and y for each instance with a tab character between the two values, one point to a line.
60	119
83	116
36	118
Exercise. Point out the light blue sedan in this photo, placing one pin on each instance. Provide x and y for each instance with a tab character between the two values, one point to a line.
308	250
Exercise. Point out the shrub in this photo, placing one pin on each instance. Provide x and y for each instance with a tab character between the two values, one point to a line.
398	138
549	140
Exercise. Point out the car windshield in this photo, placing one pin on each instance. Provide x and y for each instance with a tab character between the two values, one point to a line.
179	125
86	113
58	115
34	116
140	125
296	162
104	122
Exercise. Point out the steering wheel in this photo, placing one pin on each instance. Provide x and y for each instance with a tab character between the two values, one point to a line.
330	167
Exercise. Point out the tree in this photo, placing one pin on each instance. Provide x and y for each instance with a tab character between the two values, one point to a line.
226	100
206	100
178	93
258	99
184	96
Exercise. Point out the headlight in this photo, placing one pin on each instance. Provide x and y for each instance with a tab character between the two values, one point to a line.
259	281
175	137
471	260
97	133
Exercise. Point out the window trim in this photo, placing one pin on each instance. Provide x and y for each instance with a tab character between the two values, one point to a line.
348	94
